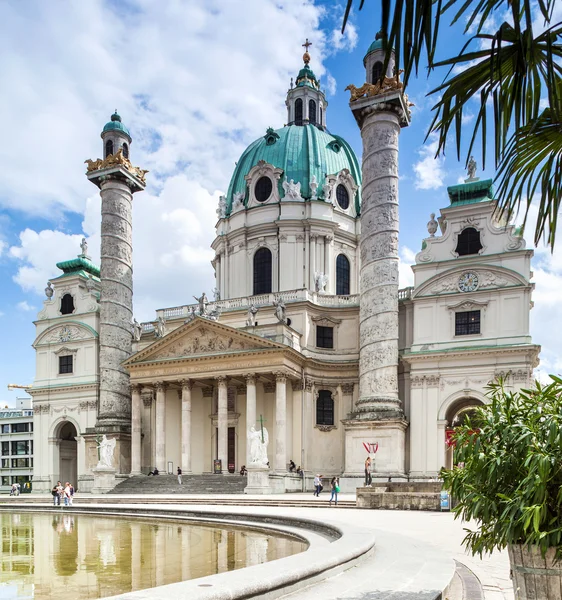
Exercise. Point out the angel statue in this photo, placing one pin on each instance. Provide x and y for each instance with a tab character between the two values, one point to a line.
137	330
320	281
251	318
105	449
221	210
292	190
280	310
313	188
258	446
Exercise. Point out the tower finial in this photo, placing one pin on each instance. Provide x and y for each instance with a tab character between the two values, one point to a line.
306	55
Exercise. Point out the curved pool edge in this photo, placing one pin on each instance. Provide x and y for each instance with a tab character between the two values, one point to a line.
331	549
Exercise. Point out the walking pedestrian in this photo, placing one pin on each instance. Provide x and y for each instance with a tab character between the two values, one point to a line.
335	487
179	476
71	494
317	485
368	478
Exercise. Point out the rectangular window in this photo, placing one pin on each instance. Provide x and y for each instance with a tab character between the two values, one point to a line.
5	480
467	323
5	448
325	408
65	364
324	337
5	429
20	448
20	427
20	463
5	463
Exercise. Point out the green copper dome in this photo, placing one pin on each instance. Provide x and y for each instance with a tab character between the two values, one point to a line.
306	76
302	152
377	44
116	123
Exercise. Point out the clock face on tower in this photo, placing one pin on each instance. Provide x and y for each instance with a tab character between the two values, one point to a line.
468	282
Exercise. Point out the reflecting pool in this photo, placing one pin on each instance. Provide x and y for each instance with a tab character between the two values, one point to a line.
47	555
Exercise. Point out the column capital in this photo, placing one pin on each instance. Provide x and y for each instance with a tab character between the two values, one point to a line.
161	386
280	377
186	384
135	388
347	388
250	378
221	380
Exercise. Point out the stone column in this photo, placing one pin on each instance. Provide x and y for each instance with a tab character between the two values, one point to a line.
312	261
250	409
147	443
380	118
222	423
280	423
136	409
160	433
186	386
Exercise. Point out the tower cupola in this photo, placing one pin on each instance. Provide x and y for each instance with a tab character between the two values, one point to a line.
115	136
374	59
306	103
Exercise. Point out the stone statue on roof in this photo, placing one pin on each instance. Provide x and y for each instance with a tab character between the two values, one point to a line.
471	168
84	247
221	210
292	189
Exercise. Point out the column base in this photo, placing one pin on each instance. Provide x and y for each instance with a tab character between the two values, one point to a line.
104	480
258	481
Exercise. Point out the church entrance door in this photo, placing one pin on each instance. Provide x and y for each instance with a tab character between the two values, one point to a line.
68	454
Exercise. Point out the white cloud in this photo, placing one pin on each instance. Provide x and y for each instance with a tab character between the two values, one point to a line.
195	81
429	170
3	246
24	306
347	40
331	85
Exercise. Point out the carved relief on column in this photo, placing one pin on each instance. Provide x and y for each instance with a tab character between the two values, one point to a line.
147	396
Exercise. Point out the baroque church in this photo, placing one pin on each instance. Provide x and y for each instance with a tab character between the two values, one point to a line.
307	334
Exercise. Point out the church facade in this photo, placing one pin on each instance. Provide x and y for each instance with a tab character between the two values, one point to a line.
307	336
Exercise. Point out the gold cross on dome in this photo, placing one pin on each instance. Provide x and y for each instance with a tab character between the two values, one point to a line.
307	44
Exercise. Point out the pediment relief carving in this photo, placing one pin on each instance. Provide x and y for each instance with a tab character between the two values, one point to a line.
69	332
203	339
488	278
326	321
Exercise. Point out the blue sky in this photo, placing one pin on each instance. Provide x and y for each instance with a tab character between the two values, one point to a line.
195	81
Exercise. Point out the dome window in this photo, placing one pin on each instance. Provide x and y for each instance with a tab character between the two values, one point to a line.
334	145
125	150
262	271
271	136
377	71
298	111
263	189
108	148
312	112
469	242
342	196
342	275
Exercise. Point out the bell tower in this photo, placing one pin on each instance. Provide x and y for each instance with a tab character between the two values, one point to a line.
381	111
117	180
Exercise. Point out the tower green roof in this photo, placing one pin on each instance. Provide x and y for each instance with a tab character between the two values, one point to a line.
115	124
377	44
302	151
79	266
307	77
471	192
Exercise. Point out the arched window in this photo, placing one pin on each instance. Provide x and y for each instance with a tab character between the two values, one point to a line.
320	122
312	112
377	71
342	275
298	111
125	150
108	148
67	305
468	242
325	408
262	271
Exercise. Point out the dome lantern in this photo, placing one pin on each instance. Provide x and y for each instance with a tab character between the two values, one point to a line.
374	59
306	103
116	137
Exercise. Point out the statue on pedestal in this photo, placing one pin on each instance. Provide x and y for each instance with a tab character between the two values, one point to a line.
251	319
137	330
280	310
160	328
49	291
202	301
258	446
105	450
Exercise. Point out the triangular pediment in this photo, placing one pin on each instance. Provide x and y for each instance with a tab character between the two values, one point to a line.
198	338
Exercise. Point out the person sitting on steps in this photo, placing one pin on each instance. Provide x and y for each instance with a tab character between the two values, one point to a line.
292	466
155	472
243	470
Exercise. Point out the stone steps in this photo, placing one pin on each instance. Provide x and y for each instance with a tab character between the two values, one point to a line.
191	484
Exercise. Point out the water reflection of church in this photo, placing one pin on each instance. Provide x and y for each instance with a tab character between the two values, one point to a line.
310	332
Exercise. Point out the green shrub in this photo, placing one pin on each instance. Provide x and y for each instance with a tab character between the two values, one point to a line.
510	483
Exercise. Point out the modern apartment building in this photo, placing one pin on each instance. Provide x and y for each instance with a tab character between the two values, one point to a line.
16	445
